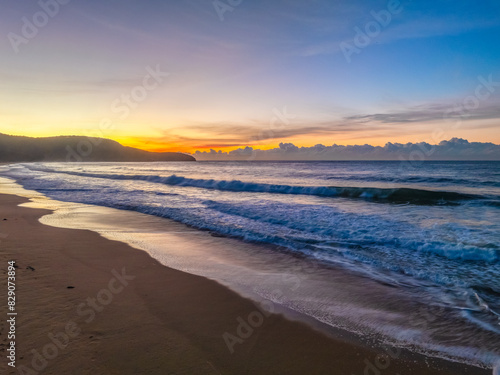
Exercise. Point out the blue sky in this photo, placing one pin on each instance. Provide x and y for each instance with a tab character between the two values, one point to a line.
227	78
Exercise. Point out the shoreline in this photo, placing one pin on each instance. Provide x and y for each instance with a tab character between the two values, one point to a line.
150	328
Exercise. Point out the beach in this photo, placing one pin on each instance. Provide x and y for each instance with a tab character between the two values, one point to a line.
90	305
254	188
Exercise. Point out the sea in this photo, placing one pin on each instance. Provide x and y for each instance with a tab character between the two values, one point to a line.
404	254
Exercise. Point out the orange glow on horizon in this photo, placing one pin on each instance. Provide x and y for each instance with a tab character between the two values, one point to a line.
159	146
186	144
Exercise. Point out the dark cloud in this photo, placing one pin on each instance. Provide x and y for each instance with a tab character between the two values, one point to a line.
434	112
230	135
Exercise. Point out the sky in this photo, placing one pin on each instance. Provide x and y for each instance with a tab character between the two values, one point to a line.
197	75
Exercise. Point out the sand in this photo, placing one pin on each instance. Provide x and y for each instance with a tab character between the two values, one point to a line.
88	305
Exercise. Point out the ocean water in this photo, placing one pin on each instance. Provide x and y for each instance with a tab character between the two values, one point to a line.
406	254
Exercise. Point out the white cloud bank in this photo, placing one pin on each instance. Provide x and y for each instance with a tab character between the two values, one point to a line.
454	149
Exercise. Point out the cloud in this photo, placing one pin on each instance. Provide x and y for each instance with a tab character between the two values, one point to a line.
222	134
433	112
423	118
389	120
454	149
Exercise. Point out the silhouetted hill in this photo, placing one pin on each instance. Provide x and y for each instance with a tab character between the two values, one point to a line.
76	148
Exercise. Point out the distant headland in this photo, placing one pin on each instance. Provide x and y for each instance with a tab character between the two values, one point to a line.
77	149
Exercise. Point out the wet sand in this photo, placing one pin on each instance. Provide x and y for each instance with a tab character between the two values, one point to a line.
125	313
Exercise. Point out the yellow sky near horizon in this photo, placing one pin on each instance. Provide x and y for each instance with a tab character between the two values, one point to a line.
170	77
188	141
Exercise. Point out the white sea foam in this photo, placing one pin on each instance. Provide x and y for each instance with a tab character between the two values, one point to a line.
432	254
